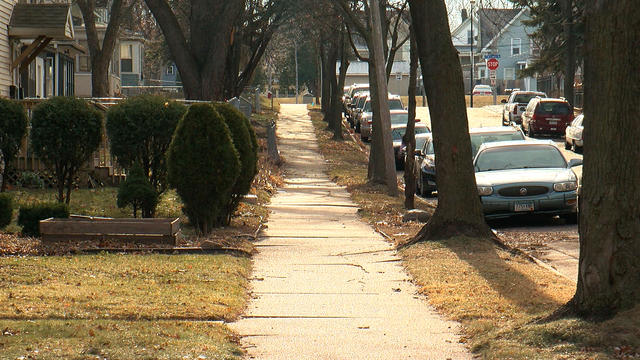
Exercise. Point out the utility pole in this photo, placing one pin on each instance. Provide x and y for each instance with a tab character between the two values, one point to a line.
295	44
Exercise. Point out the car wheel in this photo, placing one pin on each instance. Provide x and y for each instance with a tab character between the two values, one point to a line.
574	148
423	190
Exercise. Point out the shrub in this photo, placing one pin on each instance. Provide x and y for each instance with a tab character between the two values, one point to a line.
13	127
242	141
30	180
65	131
140	131
6	210
29	216
203	165
138	192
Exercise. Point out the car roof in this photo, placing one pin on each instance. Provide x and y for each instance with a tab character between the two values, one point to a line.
512	143
528	92
553	100
494	130
399	111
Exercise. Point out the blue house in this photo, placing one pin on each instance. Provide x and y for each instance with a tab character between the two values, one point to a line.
497	33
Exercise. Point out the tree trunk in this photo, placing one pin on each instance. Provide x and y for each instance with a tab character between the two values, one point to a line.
459	210
326	77
384	170
609	270
569	50
409	137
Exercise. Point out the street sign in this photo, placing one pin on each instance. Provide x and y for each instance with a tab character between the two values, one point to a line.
492	74
492	64
492	56
493	82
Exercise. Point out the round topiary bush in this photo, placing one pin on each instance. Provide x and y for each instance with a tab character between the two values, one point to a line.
242	141
140	130
6	210
13	127
65	132
138	192
203	166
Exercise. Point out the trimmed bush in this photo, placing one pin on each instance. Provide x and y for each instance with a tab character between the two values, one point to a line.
203	166
30	180
29	216
138	192
140	130
65	132
6	210
242	141
13	127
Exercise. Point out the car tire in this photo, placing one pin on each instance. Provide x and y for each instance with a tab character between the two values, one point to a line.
423	191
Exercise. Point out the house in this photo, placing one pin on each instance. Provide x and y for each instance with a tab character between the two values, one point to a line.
501	34
37	50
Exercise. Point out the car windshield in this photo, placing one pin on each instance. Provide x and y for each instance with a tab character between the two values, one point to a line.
427	148
483	87
479	139
553	108
420	142
399	118
361	101
395	104
519	157
524	98
398	133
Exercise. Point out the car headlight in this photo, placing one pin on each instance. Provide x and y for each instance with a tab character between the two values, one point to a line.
565	186
485	190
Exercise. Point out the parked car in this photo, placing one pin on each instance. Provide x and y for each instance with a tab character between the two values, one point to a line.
425	158
526	177
421	130
546	115
482	90
352	90
573	134
364	120
516	105
356	104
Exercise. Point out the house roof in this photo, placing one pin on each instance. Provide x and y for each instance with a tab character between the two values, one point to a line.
492	21
51	20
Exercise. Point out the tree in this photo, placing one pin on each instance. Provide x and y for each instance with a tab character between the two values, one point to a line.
140	131
609	267
101	55
459	211
203	166
226	39
13	127
65	132
138	192
409	137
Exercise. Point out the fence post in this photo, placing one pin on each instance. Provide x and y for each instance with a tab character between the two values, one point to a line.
272	144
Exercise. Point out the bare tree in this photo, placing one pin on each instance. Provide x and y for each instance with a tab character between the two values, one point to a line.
410	135
459	210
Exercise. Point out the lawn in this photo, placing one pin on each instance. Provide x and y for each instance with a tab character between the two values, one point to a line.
500	297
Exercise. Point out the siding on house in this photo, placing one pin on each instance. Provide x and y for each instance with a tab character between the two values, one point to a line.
6	7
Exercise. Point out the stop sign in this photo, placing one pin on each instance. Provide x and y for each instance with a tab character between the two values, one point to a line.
492	64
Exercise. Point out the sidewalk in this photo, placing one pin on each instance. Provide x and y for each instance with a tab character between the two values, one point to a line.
326	286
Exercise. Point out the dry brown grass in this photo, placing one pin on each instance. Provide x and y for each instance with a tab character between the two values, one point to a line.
498	296
478	100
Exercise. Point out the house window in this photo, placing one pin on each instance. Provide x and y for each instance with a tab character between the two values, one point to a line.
482	73
170	70
84	64
126	58
515	46
509	74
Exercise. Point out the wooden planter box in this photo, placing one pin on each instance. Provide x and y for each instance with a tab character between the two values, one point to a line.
152	231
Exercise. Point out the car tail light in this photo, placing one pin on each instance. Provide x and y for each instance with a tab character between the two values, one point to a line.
417	120
369	121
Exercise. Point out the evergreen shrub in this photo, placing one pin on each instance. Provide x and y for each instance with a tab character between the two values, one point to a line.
138	192
29	216
6	210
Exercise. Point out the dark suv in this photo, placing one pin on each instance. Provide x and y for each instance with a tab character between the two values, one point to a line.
547	116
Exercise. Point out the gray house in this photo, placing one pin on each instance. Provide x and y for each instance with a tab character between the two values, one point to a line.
497	33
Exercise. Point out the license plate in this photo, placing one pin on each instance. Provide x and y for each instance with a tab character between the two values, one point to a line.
553	129
524	206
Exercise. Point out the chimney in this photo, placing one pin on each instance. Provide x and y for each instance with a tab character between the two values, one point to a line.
464	15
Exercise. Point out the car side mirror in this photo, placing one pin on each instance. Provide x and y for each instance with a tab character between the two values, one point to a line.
575	162
504	101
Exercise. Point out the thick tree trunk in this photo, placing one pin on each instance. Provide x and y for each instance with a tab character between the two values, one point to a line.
326	78
382	144
609	270
569	50
333	115
409	137
459	210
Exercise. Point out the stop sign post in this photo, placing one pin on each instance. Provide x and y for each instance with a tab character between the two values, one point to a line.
492	64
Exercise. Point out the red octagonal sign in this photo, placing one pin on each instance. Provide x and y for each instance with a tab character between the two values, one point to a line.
492	64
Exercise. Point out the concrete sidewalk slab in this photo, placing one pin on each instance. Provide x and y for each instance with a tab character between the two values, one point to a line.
326	285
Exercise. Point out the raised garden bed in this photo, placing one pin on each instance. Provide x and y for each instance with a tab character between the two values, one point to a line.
150	231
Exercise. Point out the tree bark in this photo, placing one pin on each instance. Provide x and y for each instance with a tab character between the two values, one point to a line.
459	211
609	267
409	136
101	55
382	143
569	50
